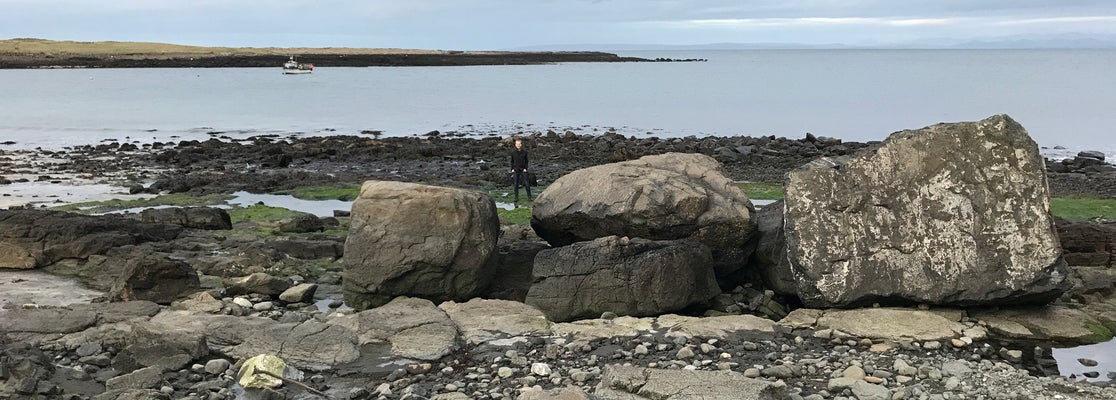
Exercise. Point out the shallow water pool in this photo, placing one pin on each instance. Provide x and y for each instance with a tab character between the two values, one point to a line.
1103	353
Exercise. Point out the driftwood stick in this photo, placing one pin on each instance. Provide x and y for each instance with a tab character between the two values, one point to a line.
296	383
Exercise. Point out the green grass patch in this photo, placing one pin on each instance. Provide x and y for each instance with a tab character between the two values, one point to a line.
762	191
174	200
507	195
261	214
341	191
1101	333
518	216
1083	208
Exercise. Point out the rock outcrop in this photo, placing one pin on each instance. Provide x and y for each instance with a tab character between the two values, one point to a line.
418	240
949	214
190	217
664	197
770	261
36	238
619	382
415	328
635	277
1087	243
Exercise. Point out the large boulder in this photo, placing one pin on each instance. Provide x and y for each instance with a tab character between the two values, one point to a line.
949	214
414	328
663	197
190	217
417	240
37	238
635	277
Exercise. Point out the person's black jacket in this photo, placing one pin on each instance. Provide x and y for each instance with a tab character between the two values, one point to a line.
519	159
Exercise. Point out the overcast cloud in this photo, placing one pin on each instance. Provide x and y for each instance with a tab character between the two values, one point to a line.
502	24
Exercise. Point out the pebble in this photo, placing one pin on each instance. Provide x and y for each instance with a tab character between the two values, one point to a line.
752	373
243	302
932	345
88	349
504	372
1087	362
263	306
540	369
640	350
957	343
685	353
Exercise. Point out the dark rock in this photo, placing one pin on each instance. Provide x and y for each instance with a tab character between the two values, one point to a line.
511	268
1087	243
770	260
190	217
625	276
22	368
635	383
36	238
305	223
154	278
1091	154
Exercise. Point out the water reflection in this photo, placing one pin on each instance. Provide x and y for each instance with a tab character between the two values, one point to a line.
1104	354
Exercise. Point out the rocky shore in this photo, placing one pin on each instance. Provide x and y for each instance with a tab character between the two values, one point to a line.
188	295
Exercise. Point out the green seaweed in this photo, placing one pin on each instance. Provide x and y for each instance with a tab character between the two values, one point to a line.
260	213
1101	333
342	191
1082	208
518	216
762	191
175	200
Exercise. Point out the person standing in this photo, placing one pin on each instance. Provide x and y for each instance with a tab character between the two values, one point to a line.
519	163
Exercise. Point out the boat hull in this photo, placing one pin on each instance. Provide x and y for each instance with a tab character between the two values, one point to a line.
297	71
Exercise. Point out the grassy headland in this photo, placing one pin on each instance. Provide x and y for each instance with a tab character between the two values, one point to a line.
42	53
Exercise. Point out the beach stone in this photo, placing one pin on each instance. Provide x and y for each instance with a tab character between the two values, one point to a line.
957	368
718	327
305	223
1055	323
132	394
300	293
414	327
540	369
37	238
481	320
144	378
259	282
949	214
190	217
22	367
46	320
661	197
217	366
888	323
619	382
594	329
867	391
154	278
88	349
442	256
635	277
565	393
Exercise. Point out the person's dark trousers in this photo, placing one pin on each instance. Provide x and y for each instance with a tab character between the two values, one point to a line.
521	179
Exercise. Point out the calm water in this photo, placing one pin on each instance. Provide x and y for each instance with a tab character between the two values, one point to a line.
1063	97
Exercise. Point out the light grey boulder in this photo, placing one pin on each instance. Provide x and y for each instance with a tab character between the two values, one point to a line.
634	277
950	214
619	382
144	378
301	293
417	240
258	282
415	328
481	320
662	197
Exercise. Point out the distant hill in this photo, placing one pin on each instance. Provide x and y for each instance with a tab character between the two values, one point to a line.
44	46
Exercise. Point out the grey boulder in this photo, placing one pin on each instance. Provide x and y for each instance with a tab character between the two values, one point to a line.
625	276
619	382
950	214
663	197
418	240
189	217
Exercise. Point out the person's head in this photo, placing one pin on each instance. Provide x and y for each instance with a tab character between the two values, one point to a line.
518	143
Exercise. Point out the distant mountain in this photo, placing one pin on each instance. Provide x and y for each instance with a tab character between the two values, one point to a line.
1061	41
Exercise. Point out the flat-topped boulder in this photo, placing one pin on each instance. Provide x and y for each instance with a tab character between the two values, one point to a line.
416	240
663	197
953	214
625	276
620	382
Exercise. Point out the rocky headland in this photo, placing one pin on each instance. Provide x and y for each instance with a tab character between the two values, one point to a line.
926	266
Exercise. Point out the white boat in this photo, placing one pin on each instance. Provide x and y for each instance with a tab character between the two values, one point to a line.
295	67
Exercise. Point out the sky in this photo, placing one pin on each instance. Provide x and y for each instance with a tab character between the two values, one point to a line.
511	24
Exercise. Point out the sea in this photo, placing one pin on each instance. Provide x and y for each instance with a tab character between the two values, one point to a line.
1065	98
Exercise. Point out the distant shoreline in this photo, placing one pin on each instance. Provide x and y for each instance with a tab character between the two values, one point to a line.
39	53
